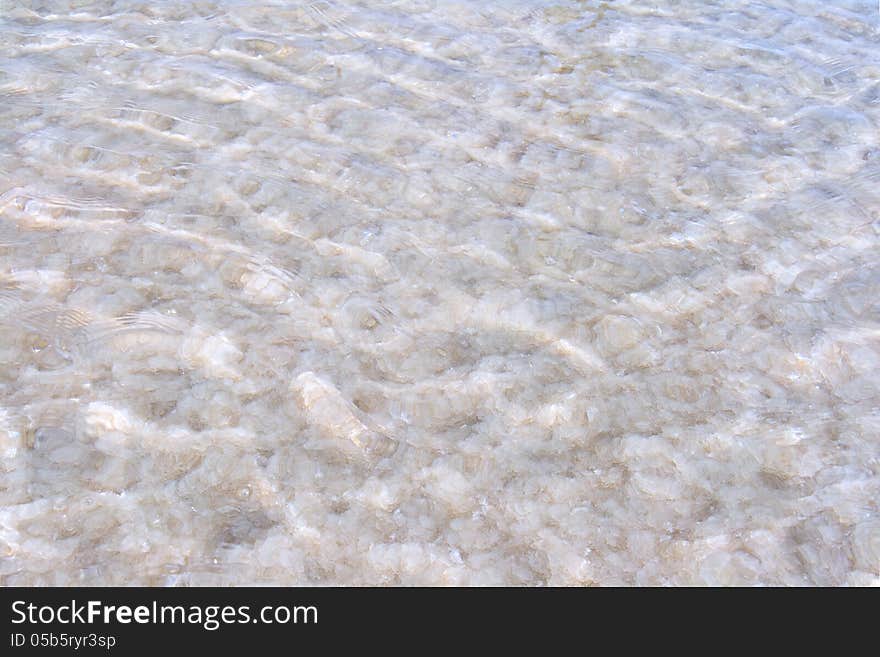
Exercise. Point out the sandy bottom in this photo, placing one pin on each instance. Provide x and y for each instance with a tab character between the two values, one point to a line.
439	292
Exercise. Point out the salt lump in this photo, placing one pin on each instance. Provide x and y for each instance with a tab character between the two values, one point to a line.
214	354
380	292
328	410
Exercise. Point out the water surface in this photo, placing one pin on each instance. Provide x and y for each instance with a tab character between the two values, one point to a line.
439	292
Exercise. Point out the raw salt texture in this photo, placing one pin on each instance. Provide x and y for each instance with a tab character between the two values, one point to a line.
439	292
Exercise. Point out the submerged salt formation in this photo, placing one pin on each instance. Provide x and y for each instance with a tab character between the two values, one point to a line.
439	292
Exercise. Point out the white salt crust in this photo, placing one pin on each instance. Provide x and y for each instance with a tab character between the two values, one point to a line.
439	292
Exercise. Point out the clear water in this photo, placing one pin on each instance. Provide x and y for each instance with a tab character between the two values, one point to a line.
439	292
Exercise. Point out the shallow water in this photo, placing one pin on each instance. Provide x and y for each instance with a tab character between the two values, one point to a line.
439	292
